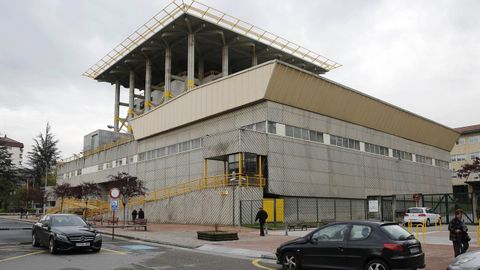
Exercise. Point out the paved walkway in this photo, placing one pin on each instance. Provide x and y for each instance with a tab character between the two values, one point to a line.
437	247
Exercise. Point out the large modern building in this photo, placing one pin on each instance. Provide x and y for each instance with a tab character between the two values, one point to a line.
466	149
221	111
15	148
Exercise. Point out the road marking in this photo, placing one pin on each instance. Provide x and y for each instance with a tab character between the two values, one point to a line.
25	255
257	264
115	251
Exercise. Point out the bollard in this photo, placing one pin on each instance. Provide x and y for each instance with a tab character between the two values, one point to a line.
439	224
478	233
410	226
286	229
423	232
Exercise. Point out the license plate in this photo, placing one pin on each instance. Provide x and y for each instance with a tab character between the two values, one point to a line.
82	244
414	250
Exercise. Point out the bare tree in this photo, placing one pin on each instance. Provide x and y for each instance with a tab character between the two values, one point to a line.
129	186
62	191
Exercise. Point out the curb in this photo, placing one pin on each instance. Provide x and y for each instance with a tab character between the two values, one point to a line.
269	256
153	241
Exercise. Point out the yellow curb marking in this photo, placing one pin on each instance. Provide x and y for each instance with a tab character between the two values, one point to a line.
257	264
25	255
115	251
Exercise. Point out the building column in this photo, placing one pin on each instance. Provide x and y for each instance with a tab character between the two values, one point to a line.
131	97
225	60
148	84
167	93
191	62
116	116
254	57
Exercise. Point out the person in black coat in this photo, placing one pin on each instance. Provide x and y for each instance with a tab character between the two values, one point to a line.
459	233
141	214
261	217
134	214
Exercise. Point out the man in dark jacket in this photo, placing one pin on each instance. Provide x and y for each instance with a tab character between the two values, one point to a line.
261	217
134	214
141	214
459	233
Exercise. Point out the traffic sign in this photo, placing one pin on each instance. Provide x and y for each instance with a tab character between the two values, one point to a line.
114	204
114	193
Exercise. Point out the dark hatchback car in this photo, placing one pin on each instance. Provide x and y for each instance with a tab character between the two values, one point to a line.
353	245
64	232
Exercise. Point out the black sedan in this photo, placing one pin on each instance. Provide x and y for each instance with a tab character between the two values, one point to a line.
63	232
353	245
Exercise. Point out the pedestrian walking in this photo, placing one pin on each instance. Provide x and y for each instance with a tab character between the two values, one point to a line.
459	233
134	214
141	214
261	217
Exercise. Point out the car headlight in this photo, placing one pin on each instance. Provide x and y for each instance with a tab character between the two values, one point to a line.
62	237
98	236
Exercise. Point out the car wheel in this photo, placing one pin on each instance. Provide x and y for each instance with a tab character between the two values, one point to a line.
51	246
428	222
377	265
34	240
290	261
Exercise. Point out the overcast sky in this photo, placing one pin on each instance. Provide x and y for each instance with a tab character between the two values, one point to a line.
423	56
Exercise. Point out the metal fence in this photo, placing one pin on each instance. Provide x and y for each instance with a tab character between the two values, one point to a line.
310	210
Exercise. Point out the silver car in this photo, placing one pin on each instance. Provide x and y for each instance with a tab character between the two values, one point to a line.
466	261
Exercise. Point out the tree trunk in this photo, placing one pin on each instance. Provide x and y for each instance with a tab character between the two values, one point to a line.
61	206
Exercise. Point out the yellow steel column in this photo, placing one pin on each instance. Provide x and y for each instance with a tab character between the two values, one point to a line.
204	174
260	175
240	168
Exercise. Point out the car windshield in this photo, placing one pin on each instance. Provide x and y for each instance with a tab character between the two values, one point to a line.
396	232
415	210
60	221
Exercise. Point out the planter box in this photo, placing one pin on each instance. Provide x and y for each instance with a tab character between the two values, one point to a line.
217	236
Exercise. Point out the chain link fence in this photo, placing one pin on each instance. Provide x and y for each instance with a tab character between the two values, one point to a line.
310	210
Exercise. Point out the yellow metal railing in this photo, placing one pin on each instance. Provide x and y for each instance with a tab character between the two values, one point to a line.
204	183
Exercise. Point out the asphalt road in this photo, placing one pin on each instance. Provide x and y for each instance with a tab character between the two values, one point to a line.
14	232
121	254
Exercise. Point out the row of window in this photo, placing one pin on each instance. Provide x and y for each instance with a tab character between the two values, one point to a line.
170	150
471	140
312	135
462	157
376	149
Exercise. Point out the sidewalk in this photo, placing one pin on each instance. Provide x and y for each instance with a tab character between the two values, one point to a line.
438	249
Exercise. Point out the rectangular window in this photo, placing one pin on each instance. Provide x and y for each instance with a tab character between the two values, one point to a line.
161	152
473	139
100	167
142	156
185	146
249	127
260	127
316	136
79	172
288	131
130	159
376	149
109	165
173	149
441	163
196	143
461	140
297	132
344	142
402	155
118	163
272	127
424	159
475	155
305	134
